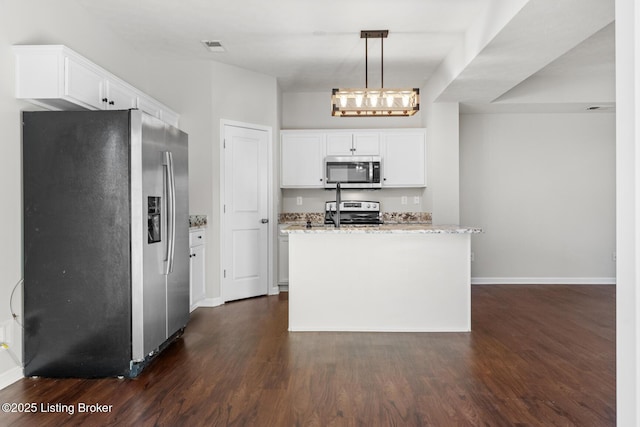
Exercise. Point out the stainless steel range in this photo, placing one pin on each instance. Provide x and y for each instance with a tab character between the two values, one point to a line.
353	212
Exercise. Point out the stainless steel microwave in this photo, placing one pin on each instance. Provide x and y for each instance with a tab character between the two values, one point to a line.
353	171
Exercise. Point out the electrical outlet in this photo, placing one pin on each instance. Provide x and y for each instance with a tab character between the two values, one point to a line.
403	200
299	201
416	200
6	332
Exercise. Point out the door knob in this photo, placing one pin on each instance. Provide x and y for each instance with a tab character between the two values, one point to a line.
264	220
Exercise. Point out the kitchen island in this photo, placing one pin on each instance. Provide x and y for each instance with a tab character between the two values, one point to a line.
391	278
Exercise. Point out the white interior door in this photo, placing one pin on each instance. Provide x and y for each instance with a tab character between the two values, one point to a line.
246	237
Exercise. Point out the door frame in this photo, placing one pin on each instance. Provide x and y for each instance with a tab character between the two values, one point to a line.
271	289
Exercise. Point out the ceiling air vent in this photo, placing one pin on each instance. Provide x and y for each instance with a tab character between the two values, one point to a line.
214	45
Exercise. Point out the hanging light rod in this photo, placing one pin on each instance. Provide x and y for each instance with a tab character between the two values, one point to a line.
374	102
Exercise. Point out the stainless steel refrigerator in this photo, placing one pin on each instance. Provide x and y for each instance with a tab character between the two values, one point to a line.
106	245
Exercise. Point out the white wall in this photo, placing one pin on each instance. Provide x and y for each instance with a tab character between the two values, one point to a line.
542	186
628	214
11	212
247	97
443	177
312	110
202	92
33	22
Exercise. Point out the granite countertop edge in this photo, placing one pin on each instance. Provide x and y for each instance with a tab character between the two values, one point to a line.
387	228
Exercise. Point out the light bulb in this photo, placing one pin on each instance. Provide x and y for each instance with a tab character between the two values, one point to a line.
374	99
359	98
389	100
405	100
343	101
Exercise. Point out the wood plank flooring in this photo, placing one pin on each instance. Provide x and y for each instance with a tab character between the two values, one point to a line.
537	356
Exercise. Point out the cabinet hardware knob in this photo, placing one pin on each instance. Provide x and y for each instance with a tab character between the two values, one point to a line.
104	99
111	103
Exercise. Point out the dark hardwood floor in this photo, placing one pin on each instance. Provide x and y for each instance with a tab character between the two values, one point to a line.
537	356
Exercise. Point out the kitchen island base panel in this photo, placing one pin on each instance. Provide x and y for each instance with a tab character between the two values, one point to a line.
379	282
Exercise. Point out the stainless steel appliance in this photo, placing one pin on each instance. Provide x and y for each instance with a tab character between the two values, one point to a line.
353	171
353	212
106	244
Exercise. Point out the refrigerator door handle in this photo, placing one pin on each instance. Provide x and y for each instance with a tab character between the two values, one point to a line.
171	212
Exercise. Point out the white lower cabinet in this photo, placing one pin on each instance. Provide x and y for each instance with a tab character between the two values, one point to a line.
283	259
196	267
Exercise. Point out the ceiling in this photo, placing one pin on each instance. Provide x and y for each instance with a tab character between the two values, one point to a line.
470	51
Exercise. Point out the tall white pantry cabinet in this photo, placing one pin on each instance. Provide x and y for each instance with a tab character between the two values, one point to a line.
403	154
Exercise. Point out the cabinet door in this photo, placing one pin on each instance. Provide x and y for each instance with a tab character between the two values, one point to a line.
83	84
366	144
302	158
340	144
283	260
156	109
149	106
197	274
118	96
404	159
170	117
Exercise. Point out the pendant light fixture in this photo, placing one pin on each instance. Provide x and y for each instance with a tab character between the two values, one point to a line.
365	102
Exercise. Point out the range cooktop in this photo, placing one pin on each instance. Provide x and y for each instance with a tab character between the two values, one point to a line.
354	212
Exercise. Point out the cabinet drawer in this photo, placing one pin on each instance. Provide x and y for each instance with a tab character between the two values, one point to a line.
196	238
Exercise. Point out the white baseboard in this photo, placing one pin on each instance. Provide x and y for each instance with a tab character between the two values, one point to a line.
210	302
274	290
543	280
11	376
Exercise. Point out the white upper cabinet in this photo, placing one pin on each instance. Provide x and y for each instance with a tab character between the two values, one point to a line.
353	143
302	159
86	86
404	158
57	78
340	144
83	84
156	109
118	97
403	154
366	143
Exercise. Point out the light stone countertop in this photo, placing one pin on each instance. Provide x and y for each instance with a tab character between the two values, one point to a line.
398	228
387	217
197	222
